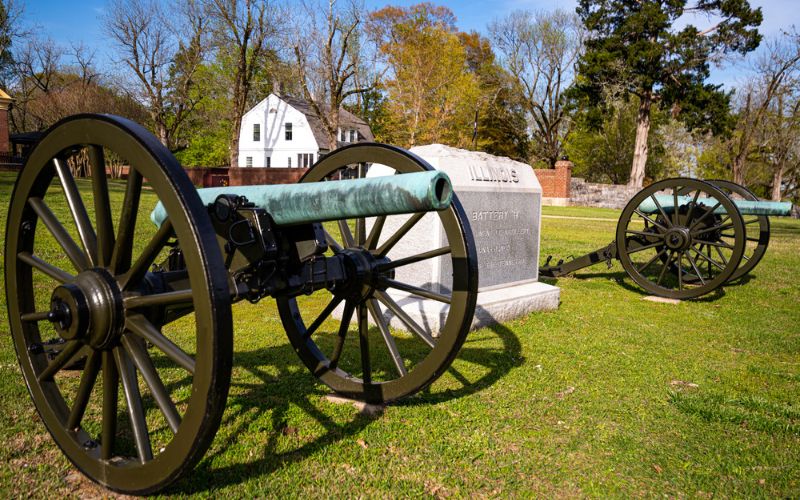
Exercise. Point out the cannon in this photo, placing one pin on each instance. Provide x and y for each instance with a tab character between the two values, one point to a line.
119	292
683	238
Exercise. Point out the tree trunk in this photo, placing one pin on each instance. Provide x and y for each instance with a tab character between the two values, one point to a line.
777	180
640	148
738	169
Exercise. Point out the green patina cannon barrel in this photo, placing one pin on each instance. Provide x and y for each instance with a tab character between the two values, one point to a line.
746	207
290	204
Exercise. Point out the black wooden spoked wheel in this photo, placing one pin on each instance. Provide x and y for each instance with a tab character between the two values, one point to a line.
128	367
756	228
366	345
687	244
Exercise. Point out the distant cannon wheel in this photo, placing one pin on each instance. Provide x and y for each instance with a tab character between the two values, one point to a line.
694	243
132	399
364	342
756	229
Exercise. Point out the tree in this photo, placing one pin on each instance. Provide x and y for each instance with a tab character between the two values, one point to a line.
776	72
540	51
431	92
50	82
244	31
636	44
328	55
604	153
162	51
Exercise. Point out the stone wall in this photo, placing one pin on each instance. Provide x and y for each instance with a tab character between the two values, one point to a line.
588	194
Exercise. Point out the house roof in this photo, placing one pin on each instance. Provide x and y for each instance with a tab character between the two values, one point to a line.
346	120
3	95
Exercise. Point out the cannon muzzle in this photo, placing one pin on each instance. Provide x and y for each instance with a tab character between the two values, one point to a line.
290	204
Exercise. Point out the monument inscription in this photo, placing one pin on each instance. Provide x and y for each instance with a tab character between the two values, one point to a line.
502	202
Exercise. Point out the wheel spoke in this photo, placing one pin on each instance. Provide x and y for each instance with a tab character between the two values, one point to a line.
414	258
709	260
661	209
692	205
123	246
36	316
680	270
108	434
65	241
416	290
322	316
715	243
412	325
651	221
645	247
721	256
375	312
347	236
361	231
144	364
139	268
333	243
102	206
77	208
363	342
133	398
703	217
646	234
696	270
650	262
375	233
398	235
88	379
752	221
347	316
35	262
70	348
675	208
158	299
664	268
142	327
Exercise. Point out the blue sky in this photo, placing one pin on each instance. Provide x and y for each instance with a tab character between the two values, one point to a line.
76	21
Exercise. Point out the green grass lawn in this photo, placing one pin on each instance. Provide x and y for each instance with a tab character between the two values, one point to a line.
609	395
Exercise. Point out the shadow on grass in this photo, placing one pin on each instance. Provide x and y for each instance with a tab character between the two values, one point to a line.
293	389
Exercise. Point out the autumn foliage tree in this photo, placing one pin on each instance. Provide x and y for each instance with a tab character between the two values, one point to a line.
431	93
638	45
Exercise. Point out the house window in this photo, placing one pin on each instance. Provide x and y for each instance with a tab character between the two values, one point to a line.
256	132
269	161
305	160
288	131
248	161
289	160
352	136
342	136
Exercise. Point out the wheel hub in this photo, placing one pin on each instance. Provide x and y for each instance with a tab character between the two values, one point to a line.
678	238
89	309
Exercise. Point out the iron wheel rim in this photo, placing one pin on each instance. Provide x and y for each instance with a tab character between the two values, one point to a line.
462	299
209	297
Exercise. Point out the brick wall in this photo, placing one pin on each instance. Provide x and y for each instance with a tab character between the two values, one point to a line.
257	176
555	181
5	147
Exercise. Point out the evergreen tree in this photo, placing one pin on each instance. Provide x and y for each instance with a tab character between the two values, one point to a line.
636	46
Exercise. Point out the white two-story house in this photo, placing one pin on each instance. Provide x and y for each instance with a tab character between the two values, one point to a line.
283	131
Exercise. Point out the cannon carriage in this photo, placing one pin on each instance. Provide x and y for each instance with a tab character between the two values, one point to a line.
120	293
683	238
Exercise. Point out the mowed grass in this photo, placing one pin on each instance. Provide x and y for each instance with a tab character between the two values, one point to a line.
609	395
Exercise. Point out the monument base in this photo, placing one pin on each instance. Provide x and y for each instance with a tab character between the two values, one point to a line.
494	306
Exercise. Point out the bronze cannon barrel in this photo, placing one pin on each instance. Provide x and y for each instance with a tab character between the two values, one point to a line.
290	204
